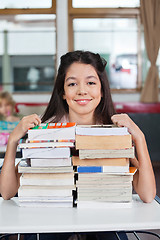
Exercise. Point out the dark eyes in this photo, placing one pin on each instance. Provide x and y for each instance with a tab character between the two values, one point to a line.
74	84
91	83
71	84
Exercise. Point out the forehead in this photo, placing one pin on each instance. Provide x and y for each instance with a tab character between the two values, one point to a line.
81	68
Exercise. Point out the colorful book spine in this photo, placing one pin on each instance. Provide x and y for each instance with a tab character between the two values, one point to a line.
54	125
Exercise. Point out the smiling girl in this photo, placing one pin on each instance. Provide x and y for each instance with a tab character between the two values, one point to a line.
81	94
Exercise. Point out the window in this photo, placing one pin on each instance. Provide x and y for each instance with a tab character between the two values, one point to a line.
26	4
116	41
33	73
105	3
30	49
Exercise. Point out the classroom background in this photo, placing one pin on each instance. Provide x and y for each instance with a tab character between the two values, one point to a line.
34	34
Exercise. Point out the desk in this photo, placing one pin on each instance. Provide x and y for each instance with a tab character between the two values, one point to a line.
15	219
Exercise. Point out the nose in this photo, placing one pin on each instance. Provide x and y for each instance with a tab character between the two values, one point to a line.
82	90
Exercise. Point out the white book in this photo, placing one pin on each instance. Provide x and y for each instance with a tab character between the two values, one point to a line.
101	189
101	130
46	199
47	204
53	131
127	197
102	205
45	144
50	162
46	182
46	152
35	191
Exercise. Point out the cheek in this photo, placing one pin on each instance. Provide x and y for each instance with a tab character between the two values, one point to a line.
69	94
97	93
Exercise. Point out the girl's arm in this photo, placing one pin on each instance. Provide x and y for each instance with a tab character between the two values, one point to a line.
9	175
144	179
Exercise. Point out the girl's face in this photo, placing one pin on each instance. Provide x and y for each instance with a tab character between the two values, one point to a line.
5	108
82	89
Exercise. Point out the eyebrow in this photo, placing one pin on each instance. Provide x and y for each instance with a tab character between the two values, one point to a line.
70	78
74	78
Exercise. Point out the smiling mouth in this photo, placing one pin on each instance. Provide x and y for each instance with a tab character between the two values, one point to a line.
83	101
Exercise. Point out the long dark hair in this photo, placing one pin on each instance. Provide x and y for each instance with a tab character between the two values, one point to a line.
58	107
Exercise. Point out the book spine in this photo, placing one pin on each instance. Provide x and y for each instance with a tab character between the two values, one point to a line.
92	169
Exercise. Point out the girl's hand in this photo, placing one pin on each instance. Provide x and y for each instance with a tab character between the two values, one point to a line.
23	126
123	120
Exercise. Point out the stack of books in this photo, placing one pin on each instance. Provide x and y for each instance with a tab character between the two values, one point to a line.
103	168
47	173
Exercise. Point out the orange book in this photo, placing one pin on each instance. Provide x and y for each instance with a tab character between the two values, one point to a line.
100	162
103	142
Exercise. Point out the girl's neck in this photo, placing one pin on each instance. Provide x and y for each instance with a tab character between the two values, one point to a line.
82	119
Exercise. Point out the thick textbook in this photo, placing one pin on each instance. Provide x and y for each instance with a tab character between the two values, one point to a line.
35	191
106	153
101	130
60	152
52	131
103	142
100	162
47	179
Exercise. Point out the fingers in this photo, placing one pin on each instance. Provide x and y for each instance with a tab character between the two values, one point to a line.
120	120
33	120
30	121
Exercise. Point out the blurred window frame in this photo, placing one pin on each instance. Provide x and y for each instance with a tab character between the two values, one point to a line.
74	13
20	11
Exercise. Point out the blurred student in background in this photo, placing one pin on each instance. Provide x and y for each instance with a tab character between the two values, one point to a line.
7	108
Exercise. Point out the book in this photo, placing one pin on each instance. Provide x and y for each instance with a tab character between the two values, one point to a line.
47	204
102	205
63	152
47	179
46	198
50	162
35	191
103	142
111	169
101	130
100	162
52	131
25	167
132	171
105	178
116	193
106	153
46	201
46	144
115	197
